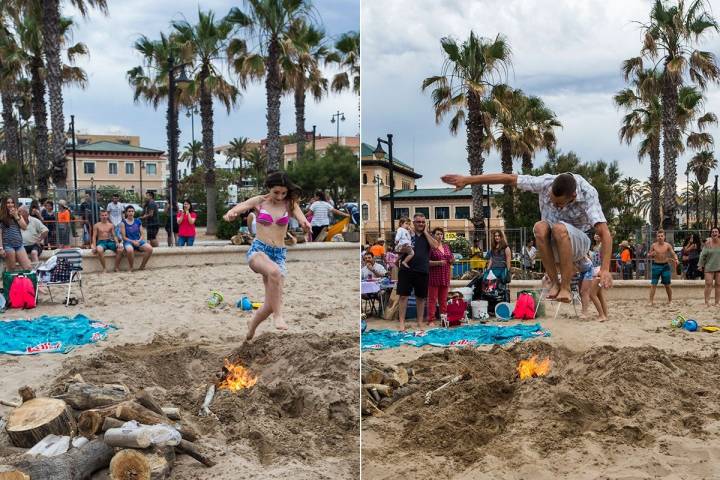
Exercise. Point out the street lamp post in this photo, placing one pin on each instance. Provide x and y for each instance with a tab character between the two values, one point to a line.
314	131
378	181
72	132
379	154
687	198
173	130
340	116
141	169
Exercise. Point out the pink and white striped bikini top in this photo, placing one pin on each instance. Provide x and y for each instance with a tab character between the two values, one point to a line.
264	218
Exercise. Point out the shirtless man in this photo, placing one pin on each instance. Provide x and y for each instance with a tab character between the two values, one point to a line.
105	238
663	256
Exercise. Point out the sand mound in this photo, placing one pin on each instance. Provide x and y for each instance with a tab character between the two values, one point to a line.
303	408
607	396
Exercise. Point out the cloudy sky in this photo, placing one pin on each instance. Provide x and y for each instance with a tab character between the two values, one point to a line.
106	106
568	52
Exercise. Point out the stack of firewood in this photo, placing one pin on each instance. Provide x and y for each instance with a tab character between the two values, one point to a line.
383	385
98	413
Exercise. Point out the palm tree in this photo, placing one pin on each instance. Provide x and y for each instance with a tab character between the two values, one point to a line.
305	50
538	130
670	39
347	56
270	22
9	76
52	39
701	164
469	70
191	154
630	187
238	150
207	41
258	159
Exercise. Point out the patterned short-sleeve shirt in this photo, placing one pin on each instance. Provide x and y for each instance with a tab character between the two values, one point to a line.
583	213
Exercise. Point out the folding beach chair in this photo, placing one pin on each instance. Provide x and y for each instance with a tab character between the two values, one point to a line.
63	268
575	298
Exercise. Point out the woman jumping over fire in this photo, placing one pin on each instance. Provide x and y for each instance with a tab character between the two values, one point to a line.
267	253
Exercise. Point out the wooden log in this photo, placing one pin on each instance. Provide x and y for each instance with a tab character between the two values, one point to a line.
191	449
151	464
118	437
111	422
171	412
35	419
134	411
8	403
84	396
10	473
145	399
397	377
26	393
75	464
372	375
90	422
383	390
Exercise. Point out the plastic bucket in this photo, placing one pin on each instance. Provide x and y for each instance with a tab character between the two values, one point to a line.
466	292
479	307
503	311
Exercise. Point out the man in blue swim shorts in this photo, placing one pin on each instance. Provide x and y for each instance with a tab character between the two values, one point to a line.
664	259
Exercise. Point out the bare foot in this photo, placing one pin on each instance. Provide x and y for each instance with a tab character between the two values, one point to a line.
252	326
554	290
602	319
402	326
279	323
405	264
564	296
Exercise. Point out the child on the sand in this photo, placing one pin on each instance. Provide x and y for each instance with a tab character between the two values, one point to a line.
403	242
267	253
590	289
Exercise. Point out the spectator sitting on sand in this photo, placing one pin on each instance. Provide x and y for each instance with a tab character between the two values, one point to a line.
662	254
132	237
709	264
569	206
33	236
104	238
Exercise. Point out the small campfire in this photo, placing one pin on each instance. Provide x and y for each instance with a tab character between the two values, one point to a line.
236	377
532	368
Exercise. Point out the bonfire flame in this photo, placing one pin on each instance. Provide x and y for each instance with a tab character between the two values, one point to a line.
531	368
236	377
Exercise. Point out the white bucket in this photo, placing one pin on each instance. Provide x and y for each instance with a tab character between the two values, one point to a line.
467	293
479	308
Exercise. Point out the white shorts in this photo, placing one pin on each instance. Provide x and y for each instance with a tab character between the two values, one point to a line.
579	242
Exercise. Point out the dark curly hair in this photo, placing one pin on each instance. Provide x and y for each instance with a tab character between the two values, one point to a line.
278	178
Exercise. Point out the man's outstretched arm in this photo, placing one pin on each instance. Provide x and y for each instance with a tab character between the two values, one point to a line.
460	181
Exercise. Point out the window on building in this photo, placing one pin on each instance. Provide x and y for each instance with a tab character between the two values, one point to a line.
387	181
124	142
402	212
129	168
405	185
442	213
462	213
112	168
151	190
151	168
82	141
89	168
424	210
486	211
365	212
364	178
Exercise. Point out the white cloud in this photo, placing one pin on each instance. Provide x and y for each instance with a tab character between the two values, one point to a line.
569	52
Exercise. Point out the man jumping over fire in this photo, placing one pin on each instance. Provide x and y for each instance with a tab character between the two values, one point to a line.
569	207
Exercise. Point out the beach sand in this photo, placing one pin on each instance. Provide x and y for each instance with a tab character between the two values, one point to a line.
631	398
300	420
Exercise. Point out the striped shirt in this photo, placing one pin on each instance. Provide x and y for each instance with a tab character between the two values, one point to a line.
582	213
321	213
11	234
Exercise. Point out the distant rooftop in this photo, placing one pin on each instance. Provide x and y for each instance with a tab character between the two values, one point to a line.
114	147
431	193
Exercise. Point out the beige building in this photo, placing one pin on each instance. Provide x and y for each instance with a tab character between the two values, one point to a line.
104	160
443	207
321	144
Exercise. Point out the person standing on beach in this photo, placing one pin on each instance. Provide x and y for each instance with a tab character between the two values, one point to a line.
151	216
415	279
569	207
662	254
267	253
709	264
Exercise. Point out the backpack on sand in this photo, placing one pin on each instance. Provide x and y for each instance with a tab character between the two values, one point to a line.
22	293
524	307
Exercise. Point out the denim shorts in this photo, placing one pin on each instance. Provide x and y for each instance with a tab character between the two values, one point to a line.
130	245
276	254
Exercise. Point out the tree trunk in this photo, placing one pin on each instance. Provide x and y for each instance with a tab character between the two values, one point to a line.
300	114
527	164
51	48
475	134
40	115
76	464
507	165
83	396
34	420
671	135
150	464
206	116
273	91
10	124
655	186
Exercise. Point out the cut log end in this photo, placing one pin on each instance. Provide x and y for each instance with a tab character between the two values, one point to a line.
37	418
10	473
26	393
132	464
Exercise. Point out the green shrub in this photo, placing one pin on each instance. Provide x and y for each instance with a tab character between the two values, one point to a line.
461	246
226	230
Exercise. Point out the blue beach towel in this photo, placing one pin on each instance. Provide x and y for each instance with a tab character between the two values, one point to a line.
57	334
466	336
